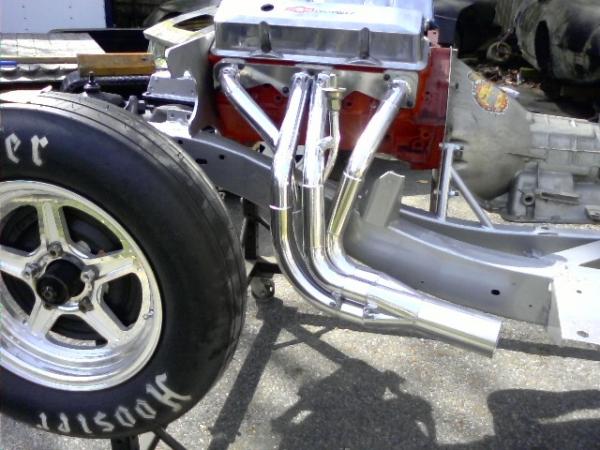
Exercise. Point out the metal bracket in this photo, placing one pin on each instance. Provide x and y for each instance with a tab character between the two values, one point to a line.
441	193
259	269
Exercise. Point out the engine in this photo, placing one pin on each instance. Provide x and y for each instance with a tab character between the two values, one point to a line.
526	166
365	43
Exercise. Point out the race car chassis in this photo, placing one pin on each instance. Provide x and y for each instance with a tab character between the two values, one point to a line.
542	275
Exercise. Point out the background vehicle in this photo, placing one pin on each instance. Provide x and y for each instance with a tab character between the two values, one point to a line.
562	39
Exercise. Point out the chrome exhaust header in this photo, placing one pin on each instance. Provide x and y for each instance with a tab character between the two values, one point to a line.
229	78
320	269
288	252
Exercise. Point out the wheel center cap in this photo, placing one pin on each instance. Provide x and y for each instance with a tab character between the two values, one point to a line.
50	294
60	282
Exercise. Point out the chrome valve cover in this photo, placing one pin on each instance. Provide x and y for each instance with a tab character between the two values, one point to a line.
385	33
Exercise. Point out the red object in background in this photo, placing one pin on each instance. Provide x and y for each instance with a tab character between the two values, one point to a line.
414	136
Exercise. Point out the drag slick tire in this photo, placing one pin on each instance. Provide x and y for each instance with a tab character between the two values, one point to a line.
122	286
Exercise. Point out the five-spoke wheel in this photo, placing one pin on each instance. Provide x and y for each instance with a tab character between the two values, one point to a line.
82	307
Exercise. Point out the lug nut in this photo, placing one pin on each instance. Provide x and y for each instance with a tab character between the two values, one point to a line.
30	271
55	250
85	305
87	276
49	293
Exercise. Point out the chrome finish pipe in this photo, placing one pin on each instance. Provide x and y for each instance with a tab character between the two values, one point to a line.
336	137
334	96
352	179
468	328
283	206
313	198
288	253
229	77
370	295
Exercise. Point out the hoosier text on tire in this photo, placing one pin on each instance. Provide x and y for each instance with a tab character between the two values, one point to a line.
121	280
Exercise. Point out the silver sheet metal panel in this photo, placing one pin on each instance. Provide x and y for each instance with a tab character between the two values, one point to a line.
326	32
41	16
38	57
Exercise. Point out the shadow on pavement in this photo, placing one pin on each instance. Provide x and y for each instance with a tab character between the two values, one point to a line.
532	419
360	407
356	407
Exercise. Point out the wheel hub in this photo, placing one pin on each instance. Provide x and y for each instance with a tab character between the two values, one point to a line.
60	283
81	308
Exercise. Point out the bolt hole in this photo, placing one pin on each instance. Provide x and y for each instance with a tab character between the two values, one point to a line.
583	334
495	292
528	199
180	141
267	7
221	157
201	161
579	291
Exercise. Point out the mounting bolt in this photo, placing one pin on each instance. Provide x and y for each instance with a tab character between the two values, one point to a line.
55	250
88	275
334	93
85	305
335	96
369	311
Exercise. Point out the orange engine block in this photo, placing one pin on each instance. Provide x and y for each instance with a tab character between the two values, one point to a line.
414	136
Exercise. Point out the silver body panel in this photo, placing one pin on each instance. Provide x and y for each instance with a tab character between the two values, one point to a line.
340	33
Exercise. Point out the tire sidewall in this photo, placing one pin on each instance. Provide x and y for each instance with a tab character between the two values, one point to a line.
186	239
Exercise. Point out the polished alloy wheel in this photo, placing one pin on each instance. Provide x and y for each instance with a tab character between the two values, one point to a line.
80	305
